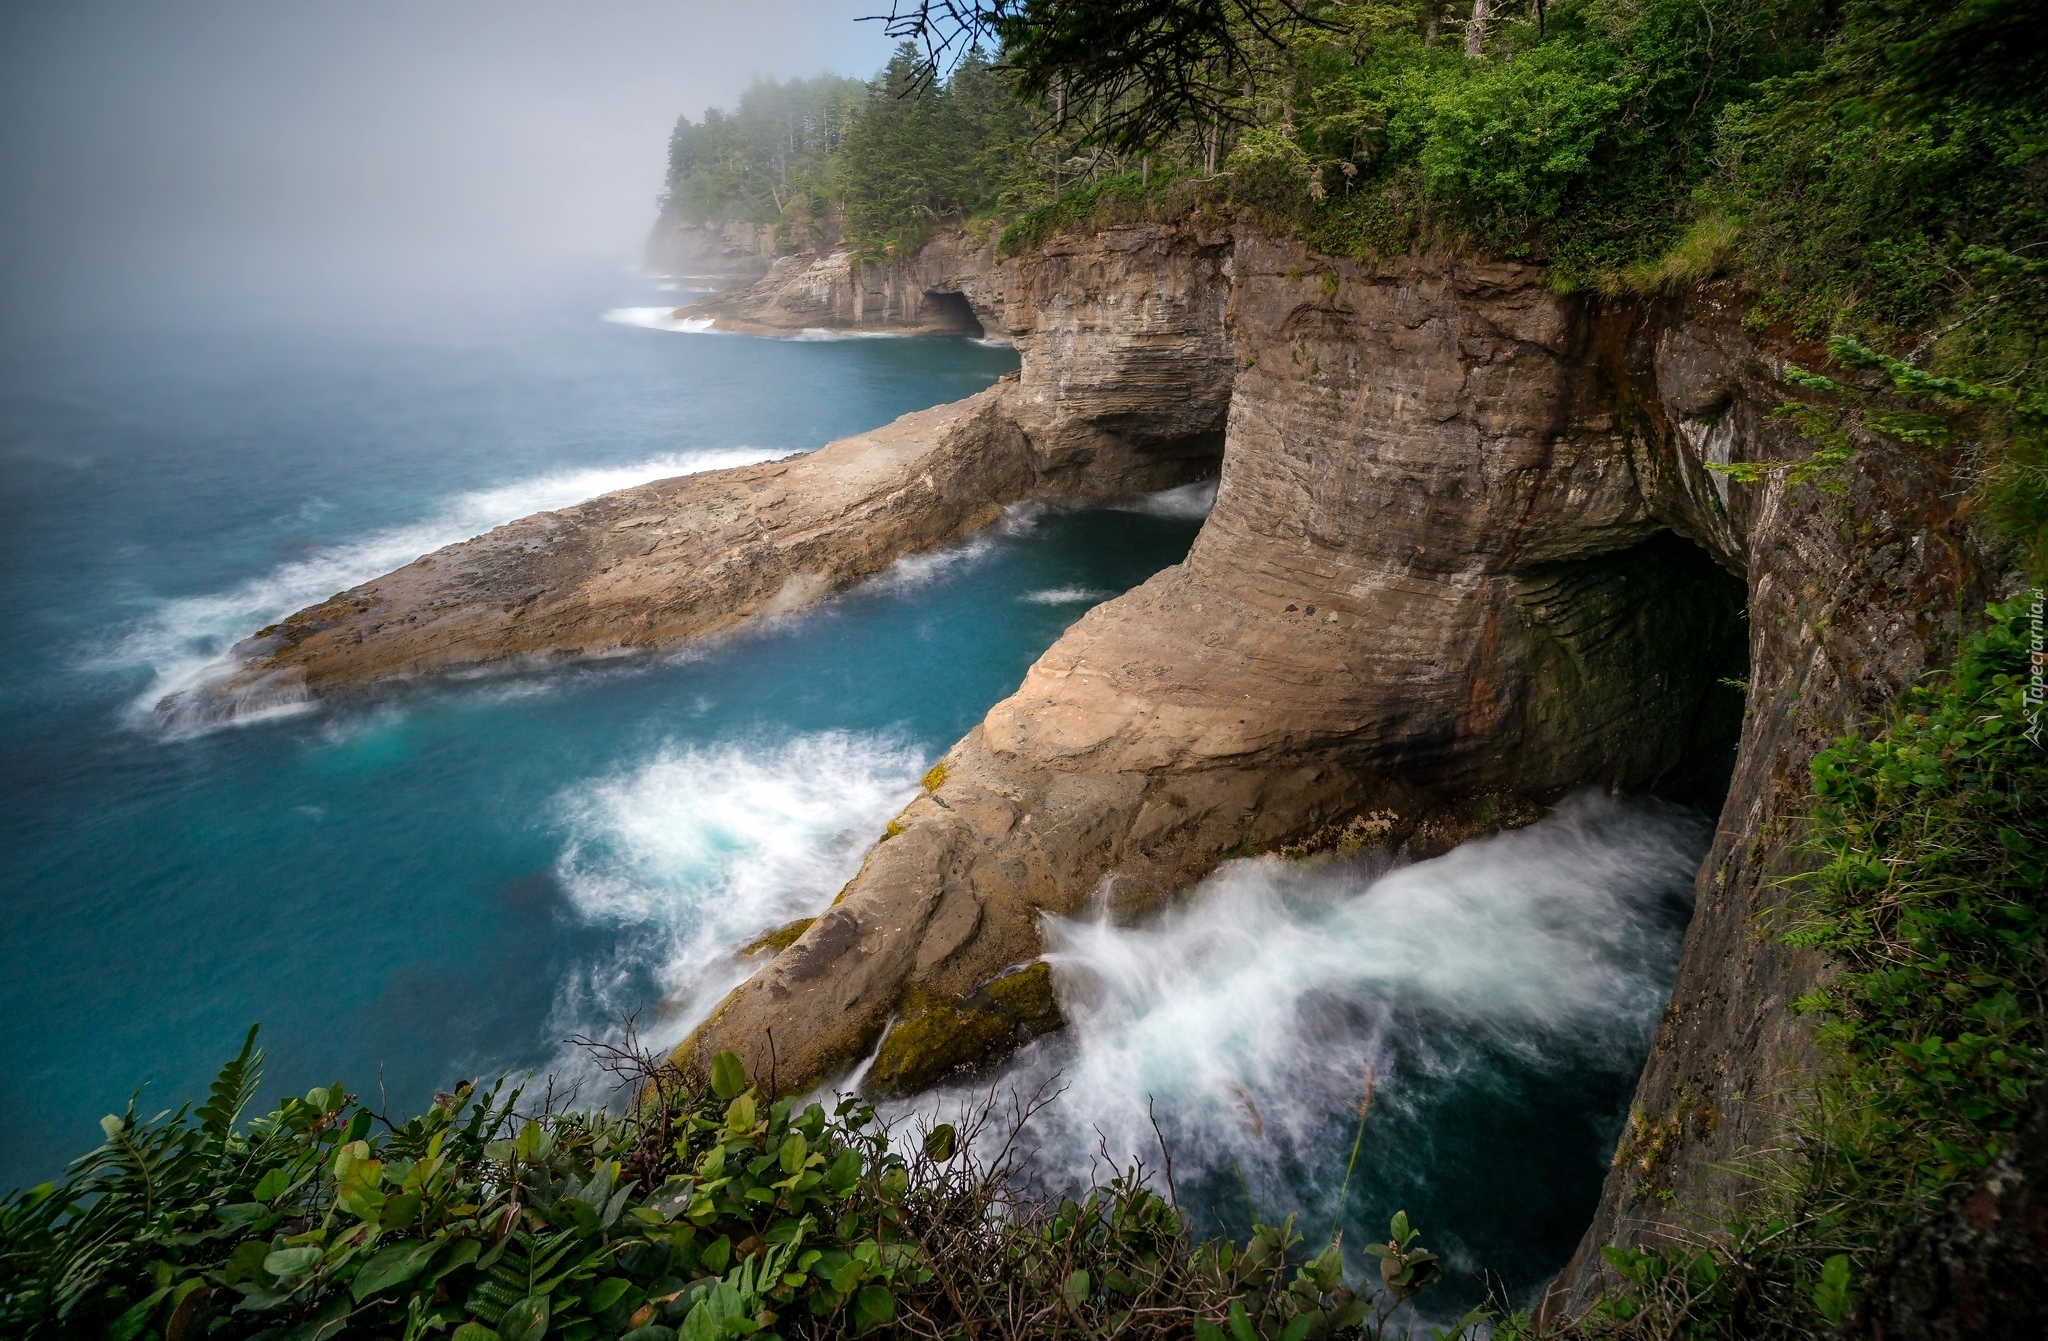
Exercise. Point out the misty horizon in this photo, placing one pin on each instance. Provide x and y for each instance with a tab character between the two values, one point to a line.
231	142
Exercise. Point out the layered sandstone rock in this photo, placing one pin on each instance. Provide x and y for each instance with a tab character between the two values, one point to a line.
1467	551
653	565
952	286
1429	587
1853	592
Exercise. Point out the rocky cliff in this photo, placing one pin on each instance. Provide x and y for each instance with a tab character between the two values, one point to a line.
953	286
730	250
1466	553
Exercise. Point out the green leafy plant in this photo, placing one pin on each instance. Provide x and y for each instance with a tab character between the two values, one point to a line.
701	1212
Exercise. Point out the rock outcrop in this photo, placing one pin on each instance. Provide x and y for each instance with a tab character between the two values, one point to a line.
952	286
1432	585
730	250
1466	552
654	565
677	559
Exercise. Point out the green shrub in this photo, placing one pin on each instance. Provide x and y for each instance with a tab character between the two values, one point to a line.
705	1213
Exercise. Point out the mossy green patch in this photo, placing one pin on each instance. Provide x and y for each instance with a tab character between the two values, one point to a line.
936	1035
779	939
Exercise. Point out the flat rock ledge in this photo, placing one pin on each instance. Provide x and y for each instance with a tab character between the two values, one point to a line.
674	560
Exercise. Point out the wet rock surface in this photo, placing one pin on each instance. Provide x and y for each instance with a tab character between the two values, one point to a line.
678	559
937	1037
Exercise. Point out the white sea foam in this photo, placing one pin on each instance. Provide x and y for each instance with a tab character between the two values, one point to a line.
661	319
911	571
1248	1013
1066	596
701	848
184	641
821	333
1189	502
671	319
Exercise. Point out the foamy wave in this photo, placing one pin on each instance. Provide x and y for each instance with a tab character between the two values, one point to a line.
1066	596
911	571
705	847
1189	502
661	319
821	333
1248	1013
185	640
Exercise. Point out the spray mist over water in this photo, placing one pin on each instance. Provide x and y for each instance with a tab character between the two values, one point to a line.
1187	502
703	848
1501	997
185	641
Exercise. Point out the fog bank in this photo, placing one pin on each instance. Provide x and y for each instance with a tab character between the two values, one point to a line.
222	139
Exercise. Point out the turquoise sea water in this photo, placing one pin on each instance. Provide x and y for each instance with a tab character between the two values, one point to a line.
451	880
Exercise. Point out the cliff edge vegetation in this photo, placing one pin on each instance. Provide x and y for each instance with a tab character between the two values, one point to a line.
708	1211
1872	170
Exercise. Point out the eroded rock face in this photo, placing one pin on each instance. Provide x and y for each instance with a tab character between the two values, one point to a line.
1124	339
1467	551
1428	500
731	250
657	564
1851	596
953	286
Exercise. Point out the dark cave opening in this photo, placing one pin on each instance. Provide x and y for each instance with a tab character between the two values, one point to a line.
949	311
1637	668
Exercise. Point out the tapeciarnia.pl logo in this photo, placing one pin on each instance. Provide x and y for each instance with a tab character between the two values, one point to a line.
2037	669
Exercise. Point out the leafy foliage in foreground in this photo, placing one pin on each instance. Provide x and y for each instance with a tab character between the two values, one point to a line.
705	1214
1932	896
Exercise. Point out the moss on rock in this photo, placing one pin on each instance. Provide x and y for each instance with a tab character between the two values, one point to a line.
779	939
936	1036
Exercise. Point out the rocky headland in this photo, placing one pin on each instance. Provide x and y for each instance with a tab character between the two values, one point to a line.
1466	554
951	286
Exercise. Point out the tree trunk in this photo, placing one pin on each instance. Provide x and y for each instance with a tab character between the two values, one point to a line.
1475	28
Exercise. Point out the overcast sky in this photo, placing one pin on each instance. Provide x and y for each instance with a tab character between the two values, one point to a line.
361	127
